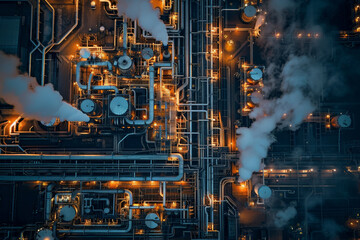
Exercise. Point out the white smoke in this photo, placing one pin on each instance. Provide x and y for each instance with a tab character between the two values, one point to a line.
297	79
260	20
30	99
331	230
282	217
147	16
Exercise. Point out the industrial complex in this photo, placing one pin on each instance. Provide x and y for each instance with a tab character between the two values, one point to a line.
179	119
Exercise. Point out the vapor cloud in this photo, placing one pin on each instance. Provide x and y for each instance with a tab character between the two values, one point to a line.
30	99
147	16
282	217
294	82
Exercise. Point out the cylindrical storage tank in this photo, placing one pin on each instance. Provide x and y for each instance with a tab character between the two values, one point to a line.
254	75
263	191
147	53
248	14
152	220
119	106
87	106
44	234
253	99
85	53
67	213
341	121
124	63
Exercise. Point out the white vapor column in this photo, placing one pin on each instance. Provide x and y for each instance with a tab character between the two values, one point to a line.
147	16
30	99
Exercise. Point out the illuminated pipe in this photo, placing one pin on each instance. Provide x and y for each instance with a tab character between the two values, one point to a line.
150	118
109	4
151	102
89	83
48	201
48	47
125	35
164	194
39	157
223	182
86	87
74	26
93	229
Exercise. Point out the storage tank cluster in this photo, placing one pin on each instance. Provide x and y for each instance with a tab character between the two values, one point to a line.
254	76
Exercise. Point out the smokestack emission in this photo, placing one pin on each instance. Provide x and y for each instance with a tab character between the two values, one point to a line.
282	217
148	17
295	77
31	100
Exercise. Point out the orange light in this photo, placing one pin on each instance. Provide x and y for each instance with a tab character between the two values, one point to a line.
309	34
327	125
271	170
299	35
155	124
328	116
180	148
277	35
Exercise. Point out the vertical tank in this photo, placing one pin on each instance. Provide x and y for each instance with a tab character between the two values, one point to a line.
254	75
341	121
119	106
263	191
248	13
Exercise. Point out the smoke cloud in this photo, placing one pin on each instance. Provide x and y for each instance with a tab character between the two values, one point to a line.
147	16
331	229
282	217
295	80
30	99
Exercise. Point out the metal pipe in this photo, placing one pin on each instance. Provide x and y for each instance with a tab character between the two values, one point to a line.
48	201
150	118
125	34
73	27
95	230
164	193
38	157
89	83
86	87
223	182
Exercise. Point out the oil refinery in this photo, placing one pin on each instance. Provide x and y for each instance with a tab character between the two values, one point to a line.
179	119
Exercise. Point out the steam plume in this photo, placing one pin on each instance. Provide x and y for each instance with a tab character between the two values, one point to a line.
147	17
30	99
282	217
293	77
